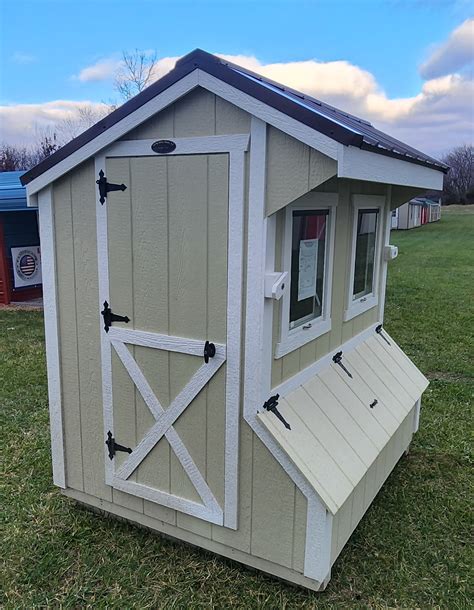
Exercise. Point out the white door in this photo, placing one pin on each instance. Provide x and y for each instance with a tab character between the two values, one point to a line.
170	261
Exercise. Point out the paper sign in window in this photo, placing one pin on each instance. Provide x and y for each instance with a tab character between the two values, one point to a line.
308	261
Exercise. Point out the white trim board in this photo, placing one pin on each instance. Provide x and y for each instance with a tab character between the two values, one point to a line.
235	146
50	298
257	373
200	145
365	165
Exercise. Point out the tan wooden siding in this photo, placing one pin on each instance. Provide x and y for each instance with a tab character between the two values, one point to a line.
200	113
290	364
77	283
293	169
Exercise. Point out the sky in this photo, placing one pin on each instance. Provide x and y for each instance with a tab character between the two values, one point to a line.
405	65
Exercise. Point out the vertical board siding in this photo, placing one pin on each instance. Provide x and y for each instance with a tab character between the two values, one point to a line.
88	317
67	328
294	362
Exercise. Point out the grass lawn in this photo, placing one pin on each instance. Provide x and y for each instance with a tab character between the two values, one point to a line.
411	549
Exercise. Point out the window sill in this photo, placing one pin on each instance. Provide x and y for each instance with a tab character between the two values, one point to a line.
360	306
298	337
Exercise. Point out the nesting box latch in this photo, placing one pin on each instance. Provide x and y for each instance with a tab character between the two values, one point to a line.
114	447
110	317
378	330
337	359
271	405
105	187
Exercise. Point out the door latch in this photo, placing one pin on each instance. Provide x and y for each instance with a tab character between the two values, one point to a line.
209	351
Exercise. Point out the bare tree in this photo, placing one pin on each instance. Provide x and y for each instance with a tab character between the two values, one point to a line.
459	181
135	74
86	116
22	157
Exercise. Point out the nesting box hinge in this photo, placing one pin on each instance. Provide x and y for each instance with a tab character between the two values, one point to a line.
271	405
209	351
114	447
374	403
105	187
378	330
337	359
110	317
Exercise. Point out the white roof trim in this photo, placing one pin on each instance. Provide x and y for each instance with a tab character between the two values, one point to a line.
365	165
352	162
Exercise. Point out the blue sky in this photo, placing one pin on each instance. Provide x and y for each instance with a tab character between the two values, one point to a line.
45	44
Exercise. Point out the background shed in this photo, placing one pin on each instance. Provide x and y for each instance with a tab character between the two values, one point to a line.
18	228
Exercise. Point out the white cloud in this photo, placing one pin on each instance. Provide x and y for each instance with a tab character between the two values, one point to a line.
454	55
438	117
103	69
22	123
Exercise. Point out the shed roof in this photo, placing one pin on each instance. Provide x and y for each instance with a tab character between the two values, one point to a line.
12	192
334	123
335	434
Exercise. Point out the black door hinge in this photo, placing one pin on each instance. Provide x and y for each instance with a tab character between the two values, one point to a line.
271	405
374	403
114	447
337	359
209	351
105	187
378	330
110	317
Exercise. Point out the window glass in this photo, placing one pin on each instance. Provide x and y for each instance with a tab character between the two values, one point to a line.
365	253
308	253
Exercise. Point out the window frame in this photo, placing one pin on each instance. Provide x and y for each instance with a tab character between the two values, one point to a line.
291	339
355	307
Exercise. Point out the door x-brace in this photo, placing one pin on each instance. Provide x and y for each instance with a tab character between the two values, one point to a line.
165	419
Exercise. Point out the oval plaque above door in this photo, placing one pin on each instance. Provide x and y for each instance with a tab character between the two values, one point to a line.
163	147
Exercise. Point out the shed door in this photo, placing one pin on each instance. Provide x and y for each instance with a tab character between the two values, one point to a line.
173	407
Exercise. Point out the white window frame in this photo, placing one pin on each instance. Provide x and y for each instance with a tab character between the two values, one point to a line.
291	339
355	307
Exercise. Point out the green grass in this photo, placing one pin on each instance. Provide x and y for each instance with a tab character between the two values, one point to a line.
410	551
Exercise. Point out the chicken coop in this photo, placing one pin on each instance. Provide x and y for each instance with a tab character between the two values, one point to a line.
214	256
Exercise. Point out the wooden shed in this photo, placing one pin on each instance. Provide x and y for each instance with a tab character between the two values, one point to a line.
214	257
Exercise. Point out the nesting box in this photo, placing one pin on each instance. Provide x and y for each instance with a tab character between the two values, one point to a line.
214	261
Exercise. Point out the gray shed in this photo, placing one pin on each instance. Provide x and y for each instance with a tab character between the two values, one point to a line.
214	261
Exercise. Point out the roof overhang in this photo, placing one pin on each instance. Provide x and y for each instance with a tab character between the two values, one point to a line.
198	70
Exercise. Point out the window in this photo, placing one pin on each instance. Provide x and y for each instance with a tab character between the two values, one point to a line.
363	286
367	221
308	251
307	256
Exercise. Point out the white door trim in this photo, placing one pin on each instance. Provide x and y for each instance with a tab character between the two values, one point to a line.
235	146
201	145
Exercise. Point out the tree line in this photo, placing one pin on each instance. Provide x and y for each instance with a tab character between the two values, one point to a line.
137	71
